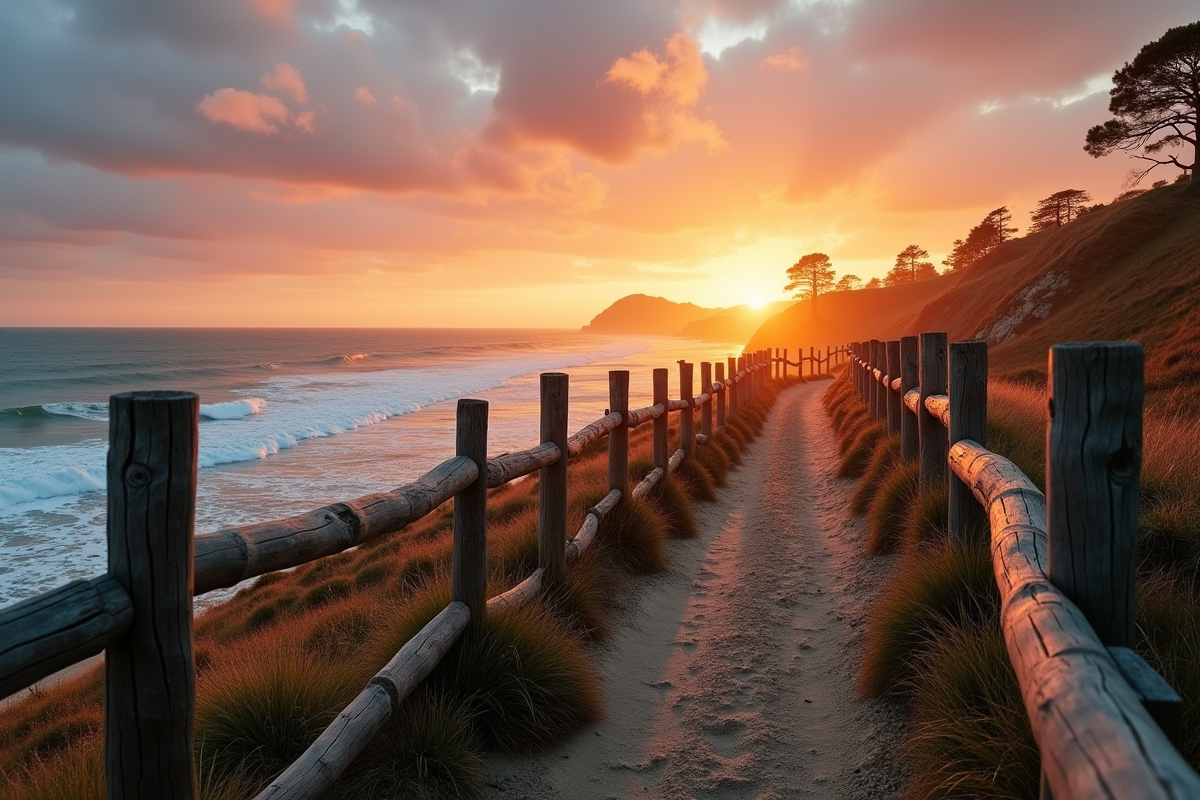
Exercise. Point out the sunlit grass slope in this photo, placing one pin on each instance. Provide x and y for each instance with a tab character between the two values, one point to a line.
1130	270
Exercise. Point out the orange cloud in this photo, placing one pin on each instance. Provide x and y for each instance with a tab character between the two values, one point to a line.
672	85
364	95
287	79
791	60
247	111
642	71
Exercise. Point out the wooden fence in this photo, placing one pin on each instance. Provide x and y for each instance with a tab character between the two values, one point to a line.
1064	561
834	355
140	612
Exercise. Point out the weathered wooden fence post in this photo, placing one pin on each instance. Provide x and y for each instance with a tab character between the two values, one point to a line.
879	362
933	436
743	379
784	365
733	389
706	411
894	404
552	479
618	437
469	556
687	417
720	396
910	446
872	384
660	424
967	387
1093	463
859	384
864	348
150	677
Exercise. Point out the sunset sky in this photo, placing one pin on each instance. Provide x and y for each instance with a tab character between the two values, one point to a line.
521	163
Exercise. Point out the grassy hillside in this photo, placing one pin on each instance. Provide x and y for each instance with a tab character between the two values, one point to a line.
886	312
1125	271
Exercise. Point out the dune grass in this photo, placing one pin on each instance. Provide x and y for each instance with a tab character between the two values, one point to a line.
861	450
888	516
928	595
884	459
933	637
971	737
280	659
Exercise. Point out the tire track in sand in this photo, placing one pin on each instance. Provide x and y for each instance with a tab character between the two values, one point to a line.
732	675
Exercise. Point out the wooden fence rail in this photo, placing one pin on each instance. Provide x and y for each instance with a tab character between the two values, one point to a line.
1064	561
817	365
140	612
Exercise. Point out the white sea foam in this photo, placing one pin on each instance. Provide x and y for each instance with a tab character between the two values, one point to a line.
68	480
234	409
97	412
301	408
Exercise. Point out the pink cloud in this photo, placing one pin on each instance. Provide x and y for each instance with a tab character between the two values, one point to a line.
790	60
305	120
247	111
672	85
364	95
287	79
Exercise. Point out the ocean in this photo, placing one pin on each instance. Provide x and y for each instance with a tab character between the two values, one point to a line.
290	419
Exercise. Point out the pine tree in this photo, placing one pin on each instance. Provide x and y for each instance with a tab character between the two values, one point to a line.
1058	209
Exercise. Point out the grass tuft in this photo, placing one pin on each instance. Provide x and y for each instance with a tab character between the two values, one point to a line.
1168	622
858	457
952	586
427	751
889	509
266	704
972	736
715	461
671	500
634	534
523	678
883	461
926	524
695	480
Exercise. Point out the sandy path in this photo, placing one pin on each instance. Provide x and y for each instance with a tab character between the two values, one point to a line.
732	675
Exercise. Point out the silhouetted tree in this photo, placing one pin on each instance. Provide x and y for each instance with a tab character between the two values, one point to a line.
994	230
1156	104
1058	209
848	283
1001	221
811	276
1128	195
910	266
874	283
